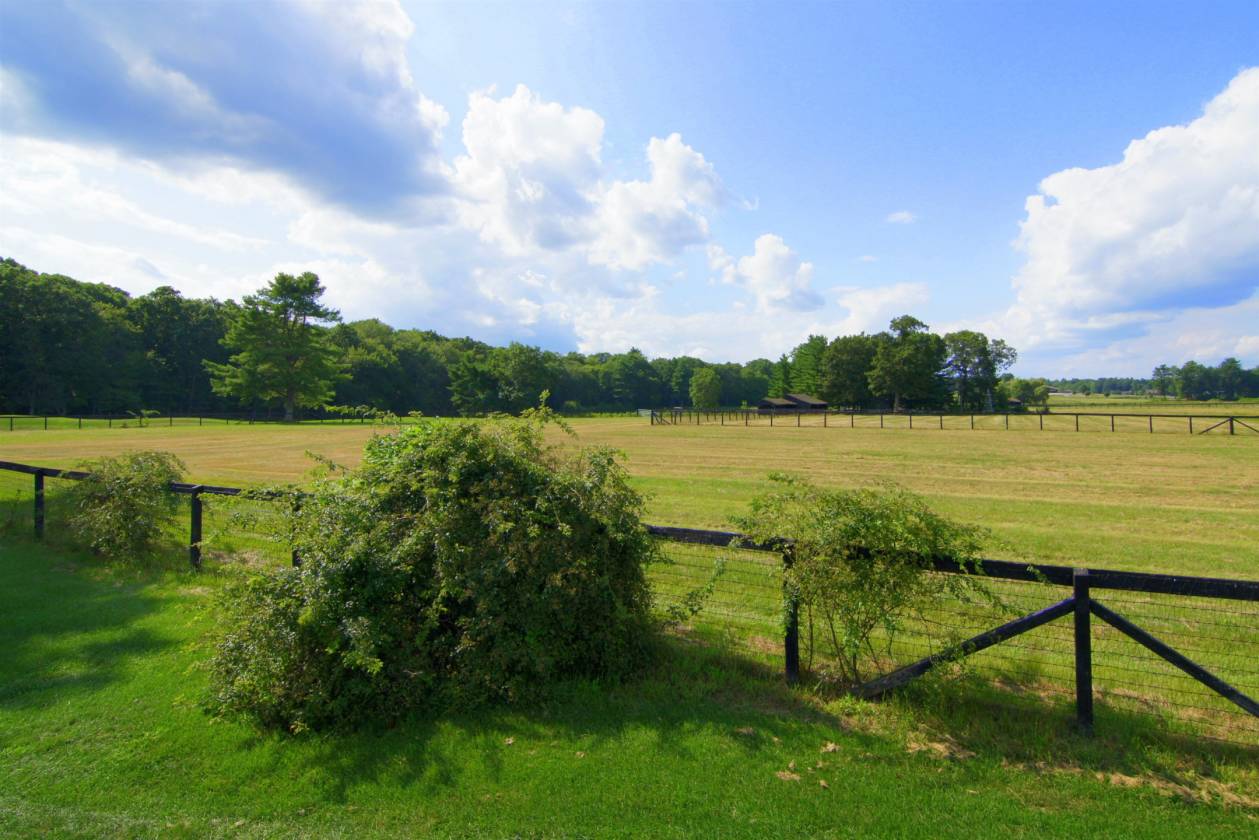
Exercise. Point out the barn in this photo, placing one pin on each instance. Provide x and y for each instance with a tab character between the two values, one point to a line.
791	402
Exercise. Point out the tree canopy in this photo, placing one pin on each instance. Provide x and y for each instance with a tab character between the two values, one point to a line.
280	352
706	389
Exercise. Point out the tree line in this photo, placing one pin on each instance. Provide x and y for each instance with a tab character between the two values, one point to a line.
71	347
1194	381
1229	380
903	367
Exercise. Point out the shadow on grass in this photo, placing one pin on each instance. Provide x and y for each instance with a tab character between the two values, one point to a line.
1019	724
69	621
71	627
691	691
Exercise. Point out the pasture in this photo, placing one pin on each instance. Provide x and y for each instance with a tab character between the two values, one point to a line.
102	732
1156	503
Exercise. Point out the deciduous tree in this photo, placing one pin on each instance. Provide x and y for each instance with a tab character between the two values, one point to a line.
705	389
908	364
845	370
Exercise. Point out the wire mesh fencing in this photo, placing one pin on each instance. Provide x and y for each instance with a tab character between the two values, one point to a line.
724	596
1177	651
1128	679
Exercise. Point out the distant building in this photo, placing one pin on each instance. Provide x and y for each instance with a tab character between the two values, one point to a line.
791	402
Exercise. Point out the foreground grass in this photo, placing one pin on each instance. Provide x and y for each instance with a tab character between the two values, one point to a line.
1162	503
102	734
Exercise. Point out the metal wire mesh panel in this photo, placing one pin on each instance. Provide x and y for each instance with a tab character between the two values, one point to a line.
1128	679
725	596
1220	635
244	529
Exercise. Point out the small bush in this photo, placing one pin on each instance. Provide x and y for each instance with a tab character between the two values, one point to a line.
862	561
462	562
120	509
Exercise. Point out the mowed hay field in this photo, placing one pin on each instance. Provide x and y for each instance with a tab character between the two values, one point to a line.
1162	502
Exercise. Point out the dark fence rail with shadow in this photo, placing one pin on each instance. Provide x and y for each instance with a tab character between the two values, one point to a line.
1178	650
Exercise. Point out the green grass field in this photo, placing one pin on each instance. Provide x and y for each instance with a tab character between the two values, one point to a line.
1150	404
101	732
1158	503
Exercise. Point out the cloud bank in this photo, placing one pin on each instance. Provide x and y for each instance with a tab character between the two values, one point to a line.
1117	252
208	145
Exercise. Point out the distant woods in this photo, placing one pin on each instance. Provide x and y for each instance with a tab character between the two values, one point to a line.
70	347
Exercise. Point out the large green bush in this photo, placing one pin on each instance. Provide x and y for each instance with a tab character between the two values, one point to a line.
862	562
120	509
463	562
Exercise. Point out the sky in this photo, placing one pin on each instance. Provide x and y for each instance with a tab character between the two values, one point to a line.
715	179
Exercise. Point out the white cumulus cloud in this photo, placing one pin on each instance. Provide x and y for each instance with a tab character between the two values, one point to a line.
1171	226
870	309
526	178
641	222
777	277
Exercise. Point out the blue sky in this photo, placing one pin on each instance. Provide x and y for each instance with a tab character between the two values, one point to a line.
717	179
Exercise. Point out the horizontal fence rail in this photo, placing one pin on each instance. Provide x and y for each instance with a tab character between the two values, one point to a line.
1044	421
1181	649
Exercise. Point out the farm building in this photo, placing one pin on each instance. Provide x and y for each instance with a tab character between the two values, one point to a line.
791	402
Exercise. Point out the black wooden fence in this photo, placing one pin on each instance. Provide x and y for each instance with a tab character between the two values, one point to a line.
1065	421
1182	649
45	422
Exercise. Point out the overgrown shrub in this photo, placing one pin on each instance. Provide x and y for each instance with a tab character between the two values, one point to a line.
862	561
120	509
462	562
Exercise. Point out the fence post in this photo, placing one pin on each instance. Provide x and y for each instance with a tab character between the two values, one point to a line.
1112	422
942	422
1083	653
294	557
798	421
1230	426
1042	421
194	530
45	422
972	422
80	422
39	506
791	636
880	420
1151	424
911	418
1007	421
1077	422
1190	424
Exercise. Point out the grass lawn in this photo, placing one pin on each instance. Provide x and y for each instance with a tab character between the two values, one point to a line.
1161	502
102	734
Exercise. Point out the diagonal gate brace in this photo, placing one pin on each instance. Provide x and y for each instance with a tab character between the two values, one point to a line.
1175	657
882	685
